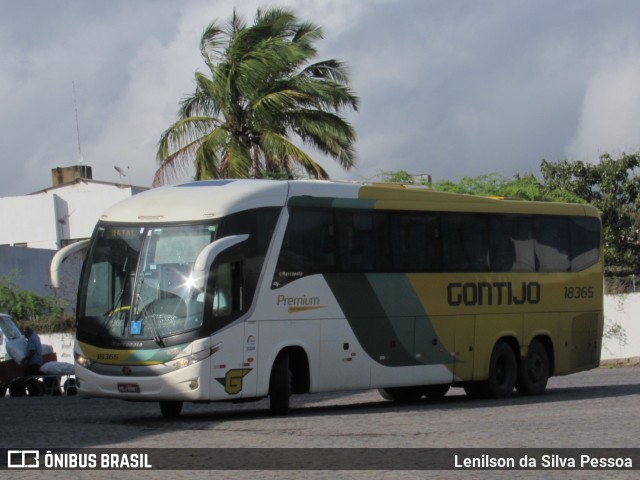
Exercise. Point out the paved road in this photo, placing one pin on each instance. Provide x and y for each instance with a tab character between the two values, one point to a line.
600	408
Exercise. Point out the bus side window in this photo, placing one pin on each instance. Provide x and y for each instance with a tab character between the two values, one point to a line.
512	244
585	242
552	244
465	240
226	289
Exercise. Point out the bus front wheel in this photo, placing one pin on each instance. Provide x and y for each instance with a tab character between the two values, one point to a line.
170	409
534	371
280	385
503	371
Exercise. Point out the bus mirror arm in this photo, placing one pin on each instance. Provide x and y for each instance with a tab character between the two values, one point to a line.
208	254
61	256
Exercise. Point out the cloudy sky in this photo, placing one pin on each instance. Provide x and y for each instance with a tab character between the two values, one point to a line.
451	88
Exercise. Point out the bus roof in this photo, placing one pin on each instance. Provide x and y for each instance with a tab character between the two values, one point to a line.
211	199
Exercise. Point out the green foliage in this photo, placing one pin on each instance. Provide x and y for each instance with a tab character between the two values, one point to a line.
612	186
399	176
495	185
261	91
44	314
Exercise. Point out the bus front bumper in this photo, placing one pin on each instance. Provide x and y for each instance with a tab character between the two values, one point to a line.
185	384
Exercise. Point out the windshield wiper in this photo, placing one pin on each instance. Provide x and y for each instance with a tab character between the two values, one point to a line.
152	322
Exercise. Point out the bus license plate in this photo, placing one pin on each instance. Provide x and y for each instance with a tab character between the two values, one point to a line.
128	388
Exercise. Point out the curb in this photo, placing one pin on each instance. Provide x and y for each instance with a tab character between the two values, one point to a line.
620	362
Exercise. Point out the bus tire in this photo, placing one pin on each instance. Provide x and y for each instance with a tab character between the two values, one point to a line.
534	370
401	394
280	385
503	371
475	390
435	392
171	409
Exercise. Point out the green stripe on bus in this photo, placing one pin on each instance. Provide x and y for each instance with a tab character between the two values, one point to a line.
404	309
327	202
404	339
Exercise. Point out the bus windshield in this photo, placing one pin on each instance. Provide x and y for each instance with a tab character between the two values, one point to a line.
137	281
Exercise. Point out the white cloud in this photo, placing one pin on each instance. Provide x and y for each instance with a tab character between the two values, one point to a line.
449	88
610	117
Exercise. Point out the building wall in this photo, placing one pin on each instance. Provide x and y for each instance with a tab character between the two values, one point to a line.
29	220
47	220
27	268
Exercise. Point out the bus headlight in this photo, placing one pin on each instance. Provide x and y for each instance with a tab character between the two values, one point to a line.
83	361
185	361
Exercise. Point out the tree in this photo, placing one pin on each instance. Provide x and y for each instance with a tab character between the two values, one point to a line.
489	185
44	313
612	186
262	92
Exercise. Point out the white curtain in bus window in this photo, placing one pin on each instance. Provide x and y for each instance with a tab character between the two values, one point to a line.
552	244
585	242
512	244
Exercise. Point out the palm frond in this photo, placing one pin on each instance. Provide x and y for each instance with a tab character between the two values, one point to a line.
183	133
212	44
281	154
261	89
327	132
328	70
173	164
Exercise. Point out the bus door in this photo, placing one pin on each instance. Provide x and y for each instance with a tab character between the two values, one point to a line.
226	299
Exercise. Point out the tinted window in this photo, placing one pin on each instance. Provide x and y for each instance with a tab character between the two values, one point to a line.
512	244
357	241
363	241
465	243
585	241
308	247
416	245
552	244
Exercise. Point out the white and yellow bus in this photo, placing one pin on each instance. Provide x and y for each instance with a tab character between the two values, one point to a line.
244	289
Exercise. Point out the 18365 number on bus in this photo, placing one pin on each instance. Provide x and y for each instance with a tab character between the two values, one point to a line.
577	293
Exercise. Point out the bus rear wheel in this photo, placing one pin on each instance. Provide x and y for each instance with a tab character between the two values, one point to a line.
534	370
171	409
401	394
280	385
475	390
503	371
435	392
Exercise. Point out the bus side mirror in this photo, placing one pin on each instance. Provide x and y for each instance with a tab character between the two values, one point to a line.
61	256
208	254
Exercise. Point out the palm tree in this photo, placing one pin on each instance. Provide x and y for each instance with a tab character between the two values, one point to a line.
262	91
